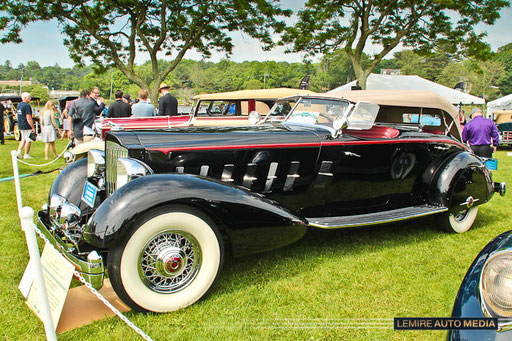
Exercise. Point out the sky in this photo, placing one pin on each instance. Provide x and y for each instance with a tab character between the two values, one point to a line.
43	43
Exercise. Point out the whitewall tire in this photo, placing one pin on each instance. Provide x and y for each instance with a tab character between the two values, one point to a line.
169	261
459	222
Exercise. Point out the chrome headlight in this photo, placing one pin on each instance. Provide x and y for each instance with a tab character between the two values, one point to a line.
496	284
69	215
130	169
56	202
95	162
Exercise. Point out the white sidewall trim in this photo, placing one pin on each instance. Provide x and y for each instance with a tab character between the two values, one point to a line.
209	268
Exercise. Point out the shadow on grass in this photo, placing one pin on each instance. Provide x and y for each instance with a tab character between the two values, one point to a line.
318	243
275	265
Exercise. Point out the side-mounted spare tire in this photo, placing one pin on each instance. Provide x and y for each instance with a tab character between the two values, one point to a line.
170	259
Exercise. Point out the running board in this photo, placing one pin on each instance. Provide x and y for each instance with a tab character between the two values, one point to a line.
375	218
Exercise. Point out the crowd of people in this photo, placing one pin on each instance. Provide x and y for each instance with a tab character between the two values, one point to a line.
480	133
81	113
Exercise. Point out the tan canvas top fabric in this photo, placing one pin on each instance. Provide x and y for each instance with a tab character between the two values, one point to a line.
259	94
402	98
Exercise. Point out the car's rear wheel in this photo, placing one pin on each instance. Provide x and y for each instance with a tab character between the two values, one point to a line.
7	124
16	131
458	222
170	260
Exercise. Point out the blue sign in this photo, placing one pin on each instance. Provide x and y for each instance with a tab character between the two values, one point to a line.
89	194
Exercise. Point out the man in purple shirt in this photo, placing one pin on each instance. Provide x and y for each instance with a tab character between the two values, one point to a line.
480	132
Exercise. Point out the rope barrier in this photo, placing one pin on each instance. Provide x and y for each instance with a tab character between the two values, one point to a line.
95	292
48	163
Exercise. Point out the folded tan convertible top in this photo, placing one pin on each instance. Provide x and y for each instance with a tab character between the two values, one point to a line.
259	94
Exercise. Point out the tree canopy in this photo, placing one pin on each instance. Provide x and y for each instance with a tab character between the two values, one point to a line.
328	25
113	32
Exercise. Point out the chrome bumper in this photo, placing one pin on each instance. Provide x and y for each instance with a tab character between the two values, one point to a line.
91	269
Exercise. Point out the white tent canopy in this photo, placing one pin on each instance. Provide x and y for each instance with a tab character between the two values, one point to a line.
502	103
399	82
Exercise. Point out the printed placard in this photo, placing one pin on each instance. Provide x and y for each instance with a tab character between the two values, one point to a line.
57	273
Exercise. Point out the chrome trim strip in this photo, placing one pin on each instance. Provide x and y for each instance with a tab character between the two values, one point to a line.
292	175
227	173
250	175
204	170
272	170
325	174
374	218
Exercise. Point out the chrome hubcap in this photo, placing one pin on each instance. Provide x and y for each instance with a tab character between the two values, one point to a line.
169	261
460	216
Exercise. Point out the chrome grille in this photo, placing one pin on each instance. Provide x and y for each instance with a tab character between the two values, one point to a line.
113	152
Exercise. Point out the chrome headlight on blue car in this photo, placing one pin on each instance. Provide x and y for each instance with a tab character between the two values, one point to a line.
496	286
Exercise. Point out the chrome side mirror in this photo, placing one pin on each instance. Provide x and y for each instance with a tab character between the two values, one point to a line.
340	123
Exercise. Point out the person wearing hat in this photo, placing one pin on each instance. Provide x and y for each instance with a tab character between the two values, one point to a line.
167	104
480	133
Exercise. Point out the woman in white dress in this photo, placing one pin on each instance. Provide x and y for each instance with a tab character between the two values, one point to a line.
48	128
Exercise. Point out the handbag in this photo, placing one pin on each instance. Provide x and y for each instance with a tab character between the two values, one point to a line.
33	136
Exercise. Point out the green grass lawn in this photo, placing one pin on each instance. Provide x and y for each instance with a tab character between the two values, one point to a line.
343	284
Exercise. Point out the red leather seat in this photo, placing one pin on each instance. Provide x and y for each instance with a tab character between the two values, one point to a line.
376	132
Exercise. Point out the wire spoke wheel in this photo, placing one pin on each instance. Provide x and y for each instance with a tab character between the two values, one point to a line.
170	259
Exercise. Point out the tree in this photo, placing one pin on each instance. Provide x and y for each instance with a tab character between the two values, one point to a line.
422	25
504	56
113	32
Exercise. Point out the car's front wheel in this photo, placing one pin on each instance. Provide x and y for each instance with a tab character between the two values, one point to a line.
170	260
458	222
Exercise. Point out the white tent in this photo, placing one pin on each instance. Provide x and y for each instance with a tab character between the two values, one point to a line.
399	82
502	103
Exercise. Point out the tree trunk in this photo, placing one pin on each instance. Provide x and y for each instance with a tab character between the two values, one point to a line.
361	75
153	96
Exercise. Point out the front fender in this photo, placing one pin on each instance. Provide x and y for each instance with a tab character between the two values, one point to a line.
464	175
252	222
70	182
82	149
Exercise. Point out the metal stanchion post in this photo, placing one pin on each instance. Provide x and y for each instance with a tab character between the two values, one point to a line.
16	173
26	215
27	222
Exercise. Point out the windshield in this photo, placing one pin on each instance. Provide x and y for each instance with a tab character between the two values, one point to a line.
310	110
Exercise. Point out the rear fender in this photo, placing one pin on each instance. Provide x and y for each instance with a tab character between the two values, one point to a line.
462	177
251	222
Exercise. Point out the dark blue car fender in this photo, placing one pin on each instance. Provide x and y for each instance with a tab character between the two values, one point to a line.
251	222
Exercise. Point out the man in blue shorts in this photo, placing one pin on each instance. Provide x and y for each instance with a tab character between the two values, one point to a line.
25	124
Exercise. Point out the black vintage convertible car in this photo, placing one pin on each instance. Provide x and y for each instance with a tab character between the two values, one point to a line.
161	209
